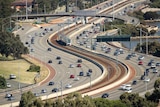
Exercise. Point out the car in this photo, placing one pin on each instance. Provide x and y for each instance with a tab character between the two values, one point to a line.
129	90
79	65
140	63
49	49
105	95
68	86
12	76
90	70
51	83
8	85
146	73
125	86
116	53
81	73
71	66
128	57
88	74
140	57
134	54
142	77
79	60
58	58
32	50
60	62
55	90
77	79
43	90
8	95
11	98
71	76
146	79
50	61
153	66
155	70
134	82
36	94
158	64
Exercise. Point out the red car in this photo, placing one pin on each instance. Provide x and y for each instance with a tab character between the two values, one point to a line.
71	76
78	65
140	63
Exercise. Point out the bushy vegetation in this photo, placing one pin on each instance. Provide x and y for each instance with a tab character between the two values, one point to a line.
34	68
155	3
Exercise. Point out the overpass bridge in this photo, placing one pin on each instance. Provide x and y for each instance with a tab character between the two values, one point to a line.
125	18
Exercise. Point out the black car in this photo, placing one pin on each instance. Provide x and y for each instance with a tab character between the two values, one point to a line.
105	95
142	77
81	73
50	61
55	90
58	58
49	49
51	83
60	62
134	82
79	60
90	70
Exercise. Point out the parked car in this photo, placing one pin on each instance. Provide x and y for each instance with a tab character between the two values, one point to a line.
105	95
158	64
142	77
77	79
8	95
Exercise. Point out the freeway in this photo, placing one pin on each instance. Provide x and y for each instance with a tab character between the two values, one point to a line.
63	71
38	50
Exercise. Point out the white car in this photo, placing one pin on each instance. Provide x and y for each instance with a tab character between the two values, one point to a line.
76	79
155	70
8	85
68	86
141	57
125	86
128	90
146	79
71	65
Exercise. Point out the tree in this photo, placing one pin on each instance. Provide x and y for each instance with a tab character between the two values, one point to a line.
29	100
157	84
150	15
2	82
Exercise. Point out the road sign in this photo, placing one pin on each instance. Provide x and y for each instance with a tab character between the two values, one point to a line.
113	38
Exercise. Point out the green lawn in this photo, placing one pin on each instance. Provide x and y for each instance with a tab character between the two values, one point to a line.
19	68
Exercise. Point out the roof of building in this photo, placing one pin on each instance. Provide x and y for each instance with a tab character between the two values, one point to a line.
22	2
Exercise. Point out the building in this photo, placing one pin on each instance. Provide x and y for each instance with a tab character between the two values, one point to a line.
20	4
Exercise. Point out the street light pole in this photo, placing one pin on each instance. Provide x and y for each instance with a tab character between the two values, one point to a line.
26	10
